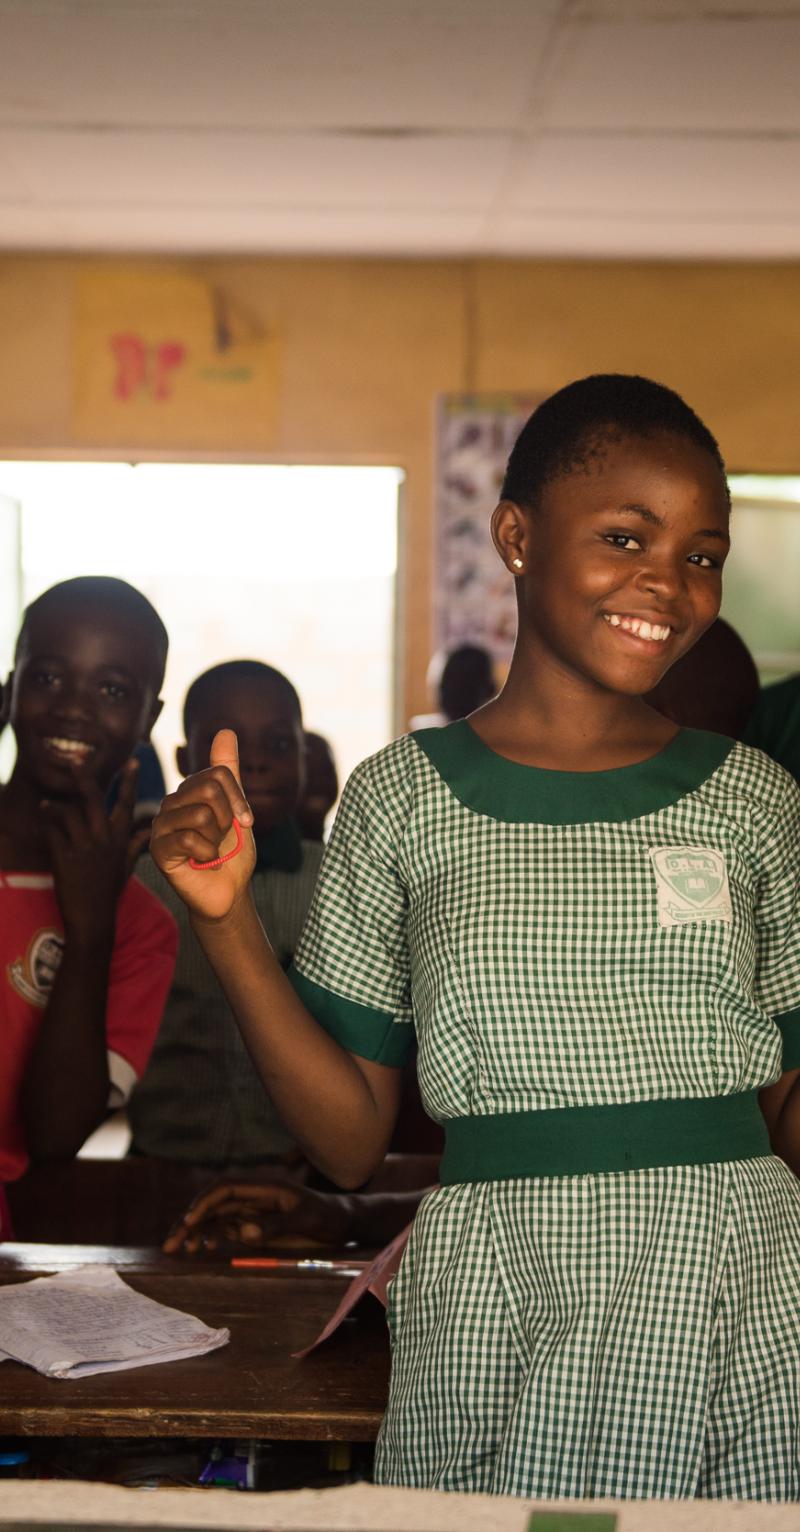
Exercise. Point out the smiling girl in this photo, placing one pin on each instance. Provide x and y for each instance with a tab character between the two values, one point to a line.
586	918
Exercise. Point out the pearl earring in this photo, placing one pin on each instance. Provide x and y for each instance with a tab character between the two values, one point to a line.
516	563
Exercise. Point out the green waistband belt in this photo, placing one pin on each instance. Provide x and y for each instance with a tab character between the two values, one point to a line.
581	1140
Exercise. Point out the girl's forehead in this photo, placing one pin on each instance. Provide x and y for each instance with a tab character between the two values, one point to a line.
658	462
612	451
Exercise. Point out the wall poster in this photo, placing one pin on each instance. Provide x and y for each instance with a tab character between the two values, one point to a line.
473	593
162	358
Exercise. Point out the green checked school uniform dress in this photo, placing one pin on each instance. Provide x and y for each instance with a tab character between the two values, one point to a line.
600	970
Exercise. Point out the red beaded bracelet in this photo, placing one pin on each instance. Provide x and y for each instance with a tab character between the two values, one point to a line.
219	860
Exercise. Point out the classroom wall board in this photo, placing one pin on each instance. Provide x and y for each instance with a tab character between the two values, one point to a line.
366	346
160	356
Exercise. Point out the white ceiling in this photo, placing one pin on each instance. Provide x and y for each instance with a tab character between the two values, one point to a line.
402	127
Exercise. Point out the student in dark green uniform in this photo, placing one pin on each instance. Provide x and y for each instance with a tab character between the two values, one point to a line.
774	724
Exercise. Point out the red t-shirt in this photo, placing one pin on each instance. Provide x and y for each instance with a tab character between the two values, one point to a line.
31	944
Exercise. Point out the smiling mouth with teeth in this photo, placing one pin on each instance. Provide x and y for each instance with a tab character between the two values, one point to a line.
655	633
76	750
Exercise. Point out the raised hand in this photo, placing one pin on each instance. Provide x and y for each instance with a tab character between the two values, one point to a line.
196	823
91	854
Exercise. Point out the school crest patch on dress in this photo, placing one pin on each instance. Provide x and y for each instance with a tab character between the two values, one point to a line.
692	885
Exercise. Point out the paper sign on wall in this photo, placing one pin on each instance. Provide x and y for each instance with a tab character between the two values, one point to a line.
162	359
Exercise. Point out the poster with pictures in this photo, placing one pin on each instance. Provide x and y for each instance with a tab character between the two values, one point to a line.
474	594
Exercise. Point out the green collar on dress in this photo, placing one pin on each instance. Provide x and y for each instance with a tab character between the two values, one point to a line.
280	848
505	790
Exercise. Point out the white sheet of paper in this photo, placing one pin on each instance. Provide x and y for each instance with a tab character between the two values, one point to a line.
89	1320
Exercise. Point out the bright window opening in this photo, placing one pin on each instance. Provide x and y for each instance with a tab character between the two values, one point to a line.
760	583
295	566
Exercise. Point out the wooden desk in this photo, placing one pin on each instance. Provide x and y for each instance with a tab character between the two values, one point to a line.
252	1387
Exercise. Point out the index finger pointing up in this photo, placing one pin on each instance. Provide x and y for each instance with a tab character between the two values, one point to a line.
225	752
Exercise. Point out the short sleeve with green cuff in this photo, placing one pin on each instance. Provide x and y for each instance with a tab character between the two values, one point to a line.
352	968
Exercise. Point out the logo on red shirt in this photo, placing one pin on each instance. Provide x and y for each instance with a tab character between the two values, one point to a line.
34	975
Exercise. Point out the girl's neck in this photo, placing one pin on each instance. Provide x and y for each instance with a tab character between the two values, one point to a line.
546	716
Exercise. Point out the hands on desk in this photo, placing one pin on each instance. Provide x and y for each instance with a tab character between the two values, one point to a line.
253	1213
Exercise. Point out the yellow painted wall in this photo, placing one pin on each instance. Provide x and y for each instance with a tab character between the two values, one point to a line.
366	345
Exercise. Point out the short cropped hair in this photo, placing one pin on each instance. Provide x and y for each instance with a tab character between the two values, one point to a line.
570	429
103	593
216	679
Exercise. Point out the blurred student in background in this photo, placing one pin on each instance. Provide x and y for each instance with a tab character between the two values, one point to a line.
714	686
321	789
461	682
201	1101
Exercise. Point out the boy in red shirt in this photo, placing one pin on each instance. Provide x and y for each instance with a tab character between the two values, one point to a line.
86	952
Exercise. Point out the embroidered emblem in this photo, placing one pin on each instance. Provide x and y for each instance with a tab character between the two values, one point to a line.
692	884
34	975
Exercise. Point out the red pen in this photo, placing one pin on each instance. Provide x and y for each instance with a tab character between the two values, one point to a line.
270	1263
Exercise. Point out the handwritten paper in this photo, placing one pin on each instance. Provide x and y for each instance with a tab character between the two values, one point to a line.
89	1320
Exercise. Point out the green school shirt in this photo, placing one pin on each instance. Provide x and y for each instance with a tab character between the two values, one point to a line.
522	923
